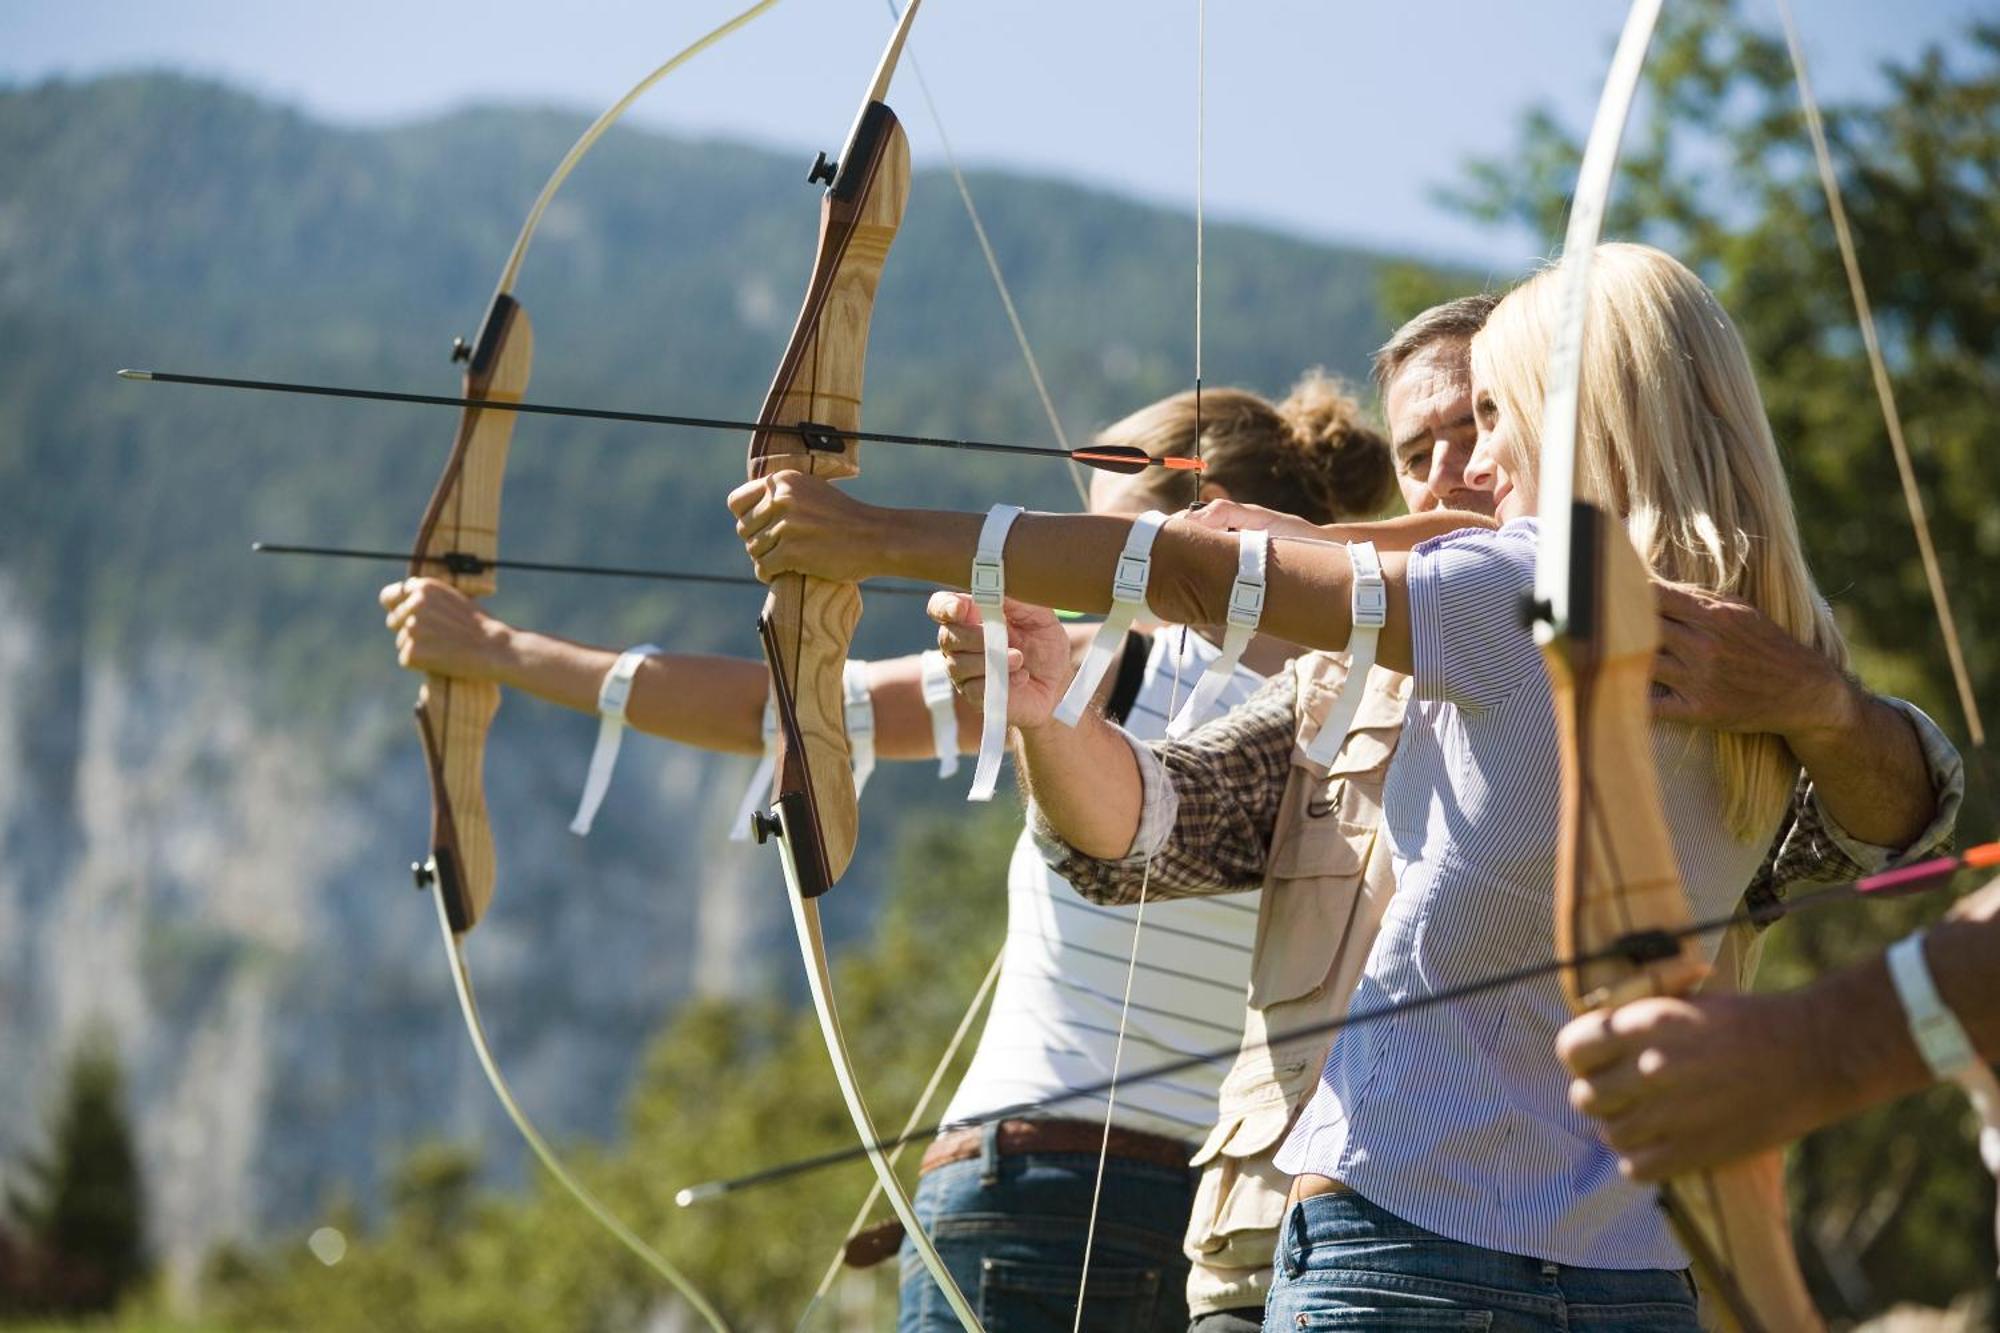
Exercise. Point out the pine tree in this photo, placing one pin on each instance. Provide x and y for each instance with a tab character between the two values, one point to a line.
79	1215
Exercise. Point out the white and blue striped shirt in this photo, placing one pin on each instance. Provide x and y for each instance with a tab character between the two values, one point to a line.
1455	1117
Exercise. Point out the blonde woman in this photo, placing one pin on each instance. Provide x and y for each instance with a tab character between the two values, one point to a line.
1441	1173
1008	1199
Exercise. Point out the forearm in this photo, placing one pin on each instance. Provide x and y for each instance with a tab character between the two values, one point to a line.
714	703
1867	768
1859	1035
1085	781
902	716
1207	807
1068	560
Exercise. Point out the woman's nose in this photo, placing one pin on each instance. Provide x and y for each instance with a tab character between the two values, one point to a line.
1481	470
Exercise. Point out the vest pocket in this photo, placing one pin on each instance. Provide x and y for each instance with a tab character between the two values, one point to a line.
1309	900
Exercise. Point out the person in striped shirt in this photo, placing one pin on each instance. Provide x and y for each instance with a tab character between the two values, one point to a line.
1008	1198
1441	1142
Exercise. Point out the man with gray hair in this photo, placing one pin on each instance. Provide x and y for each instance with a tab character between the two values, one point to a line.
1328	875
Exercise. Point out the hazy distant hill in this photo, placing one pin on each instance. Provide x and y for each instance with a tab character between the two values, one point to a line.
207	786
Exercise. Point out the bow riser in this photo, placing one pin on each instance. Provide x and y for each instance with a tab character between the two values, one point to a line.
463	517
1618	876
1615	853
819	382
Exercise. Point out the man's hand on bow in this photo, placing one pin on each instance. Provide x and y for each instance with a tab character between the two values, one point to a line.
441	631
1038	655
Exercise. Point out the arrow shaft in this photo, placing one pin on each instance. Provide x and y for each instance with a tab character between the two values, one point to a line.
806	432
551	567
1884	884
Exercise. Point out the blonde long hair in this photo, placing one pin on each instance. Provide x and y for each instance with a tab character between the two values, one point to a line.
1671	434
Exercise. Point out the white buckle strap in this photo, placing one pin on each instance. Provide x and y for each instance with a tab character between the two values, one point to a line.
989	590
758	794
1941	1040
611	697
858	708
941	700
1246	609
1128	600
1370	608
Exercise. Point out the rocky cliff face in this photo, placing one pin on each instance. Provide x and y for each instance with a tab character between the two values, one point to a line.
227	894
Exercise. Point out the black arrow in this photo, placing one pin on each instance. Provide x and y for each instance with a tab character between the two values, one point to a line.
464	562
1109	458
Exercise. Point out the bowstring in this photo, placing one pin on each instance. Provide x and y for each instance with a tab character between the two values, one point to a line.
460	973
1124	1017
475	1027
1077	479
1885	392
906	1136
1889	884
992	259
1173	693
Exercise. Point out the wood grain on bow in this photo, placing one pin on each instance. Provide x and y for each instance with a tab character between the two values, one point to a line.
808	623
463	518
1618	882
459	539
819	384
1617	879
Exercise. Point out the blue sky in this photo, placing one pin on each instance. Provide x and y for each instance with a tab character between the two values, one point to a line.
1334	119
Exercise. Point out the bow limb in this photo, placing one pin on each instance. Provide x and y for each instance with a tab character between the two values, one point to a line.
818	383
808	623
462	520
1618	883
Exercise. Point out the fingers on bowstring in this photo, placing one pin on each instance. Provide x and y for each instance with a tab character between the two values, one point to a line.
952	608
1022	613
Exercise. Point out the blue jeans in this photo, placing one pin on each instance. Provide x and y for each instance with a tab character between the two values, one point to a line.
1344	1263
1011	1230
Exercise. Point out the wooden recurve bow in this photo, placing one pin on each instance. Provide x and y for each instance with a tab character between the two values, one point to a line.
808	623
1618	884
458	540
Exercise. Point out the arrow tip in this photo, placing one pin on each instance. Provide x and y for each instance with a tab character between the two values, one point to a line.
135	374
694	1194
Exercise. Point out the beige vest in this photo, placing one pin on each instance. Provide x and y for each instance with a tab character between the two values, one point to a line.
1326	886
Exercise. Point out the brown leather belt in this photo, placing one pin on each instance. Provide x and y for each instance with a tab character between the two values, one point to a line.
1019	1137
871	1245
